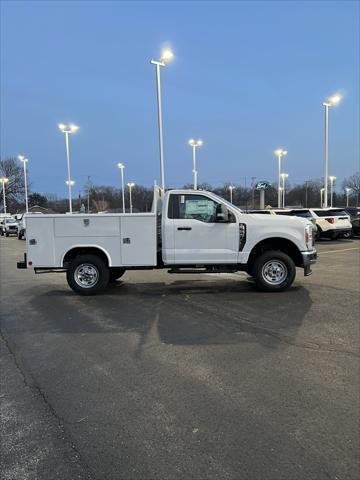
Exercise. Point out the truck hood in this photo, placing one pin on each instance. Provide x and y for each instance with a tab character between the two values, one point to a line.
281	220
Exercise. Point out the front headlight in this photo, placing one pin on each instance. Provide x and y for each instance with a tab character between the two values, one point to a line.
309	236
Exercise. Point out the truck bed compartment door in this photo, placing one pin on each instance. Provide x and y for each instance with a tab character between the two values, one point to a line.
138	240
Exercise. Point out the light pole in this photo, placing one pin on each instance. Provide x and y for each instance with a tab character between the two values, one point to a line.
70	184
284	176
165	57
130	185
231	188
322	197
194	144
332	180
331	101
121	166
279	153
67	129
253	191
88	185
4	181
24	162
306	191
348	190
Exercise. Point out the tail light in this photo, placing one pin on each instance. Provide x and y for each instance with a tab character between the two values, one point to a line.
330	220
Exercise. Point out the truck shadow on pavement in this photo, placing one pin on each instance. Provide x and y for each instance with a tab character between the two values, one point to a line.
184	312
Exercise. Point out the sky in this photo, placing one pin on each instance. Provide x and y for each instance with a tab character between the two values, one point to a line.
247	78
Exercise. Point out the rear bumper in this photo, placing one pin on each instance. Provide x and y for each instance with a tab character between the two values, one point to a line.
22	264
309	258
335	232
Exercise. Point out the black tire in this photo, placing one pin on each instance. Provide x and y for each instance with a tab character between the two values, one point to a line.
264	269
19	236
86	267
6	234
348	234
115	273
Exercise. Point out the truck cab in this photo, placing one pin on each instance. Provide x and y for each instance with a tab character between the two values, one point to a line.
188	231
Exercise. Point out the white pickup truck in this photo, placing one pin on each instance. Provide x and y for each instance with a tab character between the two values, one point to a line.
187	231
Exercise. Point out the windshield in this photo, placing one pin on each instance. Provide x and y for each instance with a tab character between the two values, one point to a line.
10	220
222	200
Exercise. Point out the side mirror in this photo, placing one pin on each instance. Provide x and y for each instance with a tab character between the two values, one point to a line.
222	213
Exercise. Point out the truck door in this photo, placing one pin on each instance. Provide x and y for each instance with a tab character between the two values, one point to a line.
198	236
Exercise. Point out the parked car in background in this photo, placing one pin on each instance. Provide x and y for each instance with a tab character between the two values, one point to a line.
354	213
303	213
22	225
266	212
292	212
21	229
9	226
332	223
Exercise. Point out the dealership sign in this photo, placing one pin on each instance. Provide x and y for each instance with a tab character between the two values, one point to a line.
262	185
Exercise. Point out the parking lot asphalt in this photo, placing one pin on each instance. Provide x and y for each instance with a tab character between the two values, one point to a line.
181	377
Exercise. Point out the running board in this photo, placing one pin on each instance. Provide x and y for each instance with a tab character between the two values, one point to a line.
202	270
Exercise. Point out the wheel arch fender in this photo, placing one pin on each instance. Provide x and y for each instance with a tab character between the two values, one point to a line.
76	250
276	243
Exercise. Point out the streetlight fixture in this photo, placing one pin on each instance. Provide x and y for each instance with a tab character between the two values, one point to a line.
194	144
24	162
130	185
330	102
67	129
279	153
166	56
322	197
121	166
4	181
231	188
284	176
332	180
348	190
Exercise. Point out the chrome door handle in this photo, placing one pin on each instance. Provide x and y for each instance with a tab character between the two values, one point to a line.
184	228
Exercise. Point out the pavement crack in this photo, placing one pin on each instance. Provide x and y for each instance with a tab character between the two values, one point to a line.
30	383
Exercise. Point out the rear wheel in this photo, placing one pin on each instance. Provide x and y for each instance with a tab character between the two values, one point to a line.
88	275
274	271
348	234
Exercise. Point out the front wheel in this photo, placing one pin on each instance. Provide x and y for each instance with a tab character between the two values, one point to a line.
88	275
274	271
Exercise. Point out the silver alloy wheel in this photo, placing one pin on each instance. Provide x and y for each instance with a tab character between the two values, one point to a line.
274	272
86	275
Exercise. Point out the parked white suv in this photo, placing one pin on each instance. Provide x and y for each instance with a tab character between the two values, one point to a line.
332	222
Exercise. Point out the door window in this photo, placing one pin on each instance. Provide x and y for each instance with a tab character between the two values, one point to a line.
196	207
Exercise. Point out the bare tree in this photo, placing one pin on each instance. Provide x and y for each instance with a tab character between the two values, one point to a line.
353	182
15	189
